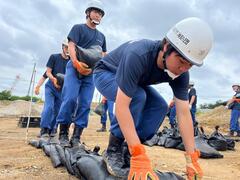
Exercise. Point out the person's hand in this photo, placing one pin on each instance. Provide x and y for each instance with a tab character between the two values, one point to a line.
104	100
37	90
54	81
190	106
140	165
82	68
194	171
226	107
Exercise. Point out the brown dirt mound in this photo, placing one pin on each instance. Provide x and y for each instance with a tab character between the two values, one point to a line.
218	116
19	108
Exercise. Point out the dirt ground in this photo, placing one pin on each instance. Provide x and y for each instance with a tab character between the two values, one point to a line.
21	161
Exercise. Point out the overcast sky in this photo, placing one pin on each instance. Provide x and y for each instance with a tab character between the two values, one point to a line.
32	30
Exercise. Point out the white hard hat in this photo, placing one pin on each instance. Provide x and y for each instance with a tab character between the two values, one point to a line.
191	83
192	38
65	42
236	84
95	4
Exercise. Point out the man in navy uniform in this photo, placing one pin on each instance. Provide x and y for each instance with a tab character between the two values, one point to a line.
125	75
75	88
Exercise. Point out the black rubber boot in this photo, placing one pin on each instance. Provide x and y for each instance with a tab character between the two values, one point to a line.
75	140
238	134
63	135
53	137
113	157
53	132
44	133
102	129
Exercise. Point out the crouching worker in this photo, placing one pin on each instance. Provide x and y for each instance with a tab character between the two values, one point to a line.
125	76
56	64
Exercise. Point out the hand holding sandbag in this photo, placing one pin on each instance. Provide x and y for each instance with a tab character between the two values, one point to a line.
140	165
82	68
100	110
60	79
89	57
55	83
194	171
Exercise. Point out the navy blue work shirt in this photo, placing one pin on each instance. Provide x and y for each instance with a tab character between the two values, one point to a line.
135	64
84	36
237	104
57	63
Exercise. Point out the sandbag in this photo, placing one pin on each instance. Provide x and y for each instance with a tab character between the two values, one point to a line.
61	154
38	143
169	138
92	167
153	141
230	144
89	56
162	140
60	79
72	155
51	151
168	176
219	142
100	110
34	143
172	142
206	151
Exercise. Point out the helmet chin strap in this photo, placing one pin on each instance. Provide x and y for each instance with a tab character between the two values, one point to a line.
170	74
93	21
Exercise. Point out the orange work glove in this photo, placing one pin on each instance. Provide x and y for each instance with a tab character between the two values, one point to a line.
82	68
140	165
194	171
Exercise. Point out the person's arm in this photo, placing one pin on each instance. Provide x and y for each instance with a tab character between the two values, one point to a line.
185	124
192	101
39	84
104	54
171	104
52	78
81	67
140	164
230	100
125	118
193	168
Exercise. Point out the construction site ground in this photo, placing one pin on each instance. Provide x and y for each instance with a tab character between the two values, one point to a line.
18	160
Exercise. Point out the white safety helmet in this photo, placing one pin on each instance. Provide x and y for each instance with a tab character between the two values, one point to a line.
192	38
191	83
95	4
236	84
65	42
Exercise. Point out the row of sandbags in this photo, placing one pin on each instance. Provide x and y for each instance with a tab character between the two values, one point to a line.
208	145
85	164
